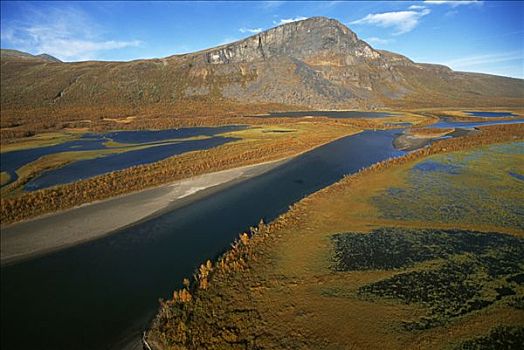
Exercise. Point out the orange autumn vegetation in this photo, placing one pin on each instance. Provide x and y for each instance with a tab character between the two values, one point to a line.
174	328
136	178
16	123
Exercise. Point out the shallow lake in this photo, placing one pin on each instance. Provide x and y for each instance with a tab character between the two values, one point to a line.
102	294
84	169
447	123
331	114
11	161
491	114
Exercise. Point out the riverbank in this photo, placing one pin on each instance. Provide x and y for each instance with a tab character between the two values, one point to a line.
74	226
290	265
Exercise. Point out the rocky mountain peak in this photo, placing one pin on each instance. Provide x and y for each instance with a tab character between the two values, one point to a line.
314	39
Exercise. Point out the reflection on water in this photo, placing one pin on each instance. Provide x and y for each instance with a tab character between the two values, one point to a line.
331	114
84	169
11	161
103	293
447	123
491	114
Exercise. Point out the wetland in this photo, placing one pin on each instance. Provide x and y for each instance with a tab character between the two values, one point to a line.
444	280
109	275
109	152
160	251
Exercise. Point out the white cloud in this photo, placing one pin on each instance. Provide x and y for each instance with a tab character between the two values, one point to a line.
250	30
402	21
66	33
378	41
416	7
466	62
290	20
329	4
453	3
271	5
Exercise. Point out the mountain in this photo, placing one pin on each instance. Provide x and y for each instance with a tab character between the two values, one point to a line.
8	54
314	63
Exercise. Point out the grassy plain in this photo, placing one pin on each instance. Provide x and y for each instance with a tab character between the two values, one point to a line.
43	140
4	178
451	275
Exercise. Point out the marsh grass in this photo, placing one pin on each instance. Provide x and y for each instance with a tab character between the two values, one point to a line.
508	338
43	140
480	269
4	178
436	189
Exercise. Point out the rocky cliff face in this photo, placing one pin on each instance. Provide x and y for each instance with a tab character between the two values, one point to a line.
317	63
303	40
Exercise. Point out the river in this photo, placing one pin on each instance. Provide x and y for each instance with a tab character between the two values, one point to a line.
102	294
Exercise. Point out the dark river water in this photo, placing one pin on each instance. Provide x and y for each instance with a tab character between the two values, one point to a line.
11	161
102	294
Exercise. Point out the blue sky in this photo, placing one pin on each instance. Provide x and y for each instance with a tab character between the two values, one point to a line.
480	36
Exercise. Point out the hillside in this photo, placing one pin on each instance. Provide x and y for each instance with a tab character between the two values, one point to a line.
8	54
315	63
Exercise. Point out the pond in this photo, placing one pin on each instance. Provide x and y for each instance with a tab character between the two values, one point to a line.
432	166
491	114
448	123
84	169
330	114
11	161
102	294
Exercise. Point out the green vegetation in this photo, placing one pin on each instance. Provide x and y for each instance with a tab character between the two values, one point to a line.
508	338
132	146
392	248
56	160
479	269
457	187
43	140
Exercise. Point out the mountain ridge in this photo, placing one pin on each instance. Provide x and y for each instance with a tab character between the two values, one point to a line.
315	63
10	53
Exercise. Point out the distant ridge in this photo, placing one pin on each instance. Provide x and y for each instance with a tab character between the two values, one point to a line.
13	54
315	63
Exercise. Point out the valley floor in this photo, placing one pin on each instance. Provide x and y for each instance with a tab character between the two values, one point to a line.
422	253
84	223
253	145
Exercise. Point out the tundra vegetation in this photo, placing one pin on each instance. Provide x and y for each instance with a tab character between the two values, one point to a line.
340	269
266	137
